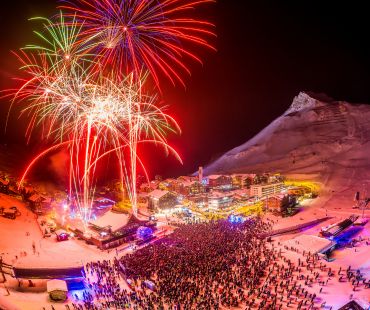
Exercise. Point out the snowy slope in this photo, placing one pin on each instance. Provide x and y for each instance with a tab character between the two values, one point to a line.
316	138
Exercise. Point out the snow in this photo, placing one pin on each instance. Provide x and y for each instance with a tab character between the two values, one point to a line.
18	236
157	194
56	285
218	194
326	142
214	176
306	101
7	304
336	294
323	141
115	220
330	141
311	243
60	232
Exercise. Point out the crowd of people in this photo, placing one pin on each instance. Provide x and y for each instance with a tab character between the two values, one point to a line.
214	265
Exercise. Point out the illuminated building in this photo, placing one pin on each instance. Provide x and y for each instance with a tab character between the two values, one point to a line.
186	186
200	175
274	203
219	181
159	199
241	194
263	190
113	229
217	200
38	202
242	180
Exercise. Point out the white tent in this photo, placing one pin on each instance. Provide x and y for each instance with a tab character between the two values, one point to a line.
311	243
113	220
55	285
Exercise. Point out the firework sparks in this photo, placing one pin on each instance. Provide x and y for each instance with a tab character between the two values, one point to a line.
155	34
86	77
96	114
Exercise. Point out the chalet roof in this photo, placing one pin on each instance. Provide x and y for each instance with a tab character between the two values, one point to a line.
170	180
186	178
4	182
158	194
56	285
116	221
276	196
188	182
217	194
214	176
36	198
244	175
241	192
113	220
14	188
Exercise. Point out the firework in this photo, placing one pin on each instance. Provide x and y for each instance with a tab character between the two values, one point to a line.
59	40
86	77
93	116
157	35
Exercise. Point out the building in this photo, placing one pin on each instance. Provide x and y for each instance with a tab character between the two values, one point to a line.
13	190
241	194
38	202
187	188
242	180
219	181
113	229
26	192
275	178
159	199
110	222
199	200
142	197
217	200
274	203
169	185
4	186
302	191
200	175
264	190
148	187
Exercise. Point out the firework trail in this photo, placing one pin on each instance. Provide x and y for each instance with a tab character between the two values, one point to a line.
86	77
94	113
157	35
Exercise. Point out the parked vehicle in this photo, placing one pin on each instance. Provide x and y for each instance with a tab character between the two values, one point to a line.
10	214
62	235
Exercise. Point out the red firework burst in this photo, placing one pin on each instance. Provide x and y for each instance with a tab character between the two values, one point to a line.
158	35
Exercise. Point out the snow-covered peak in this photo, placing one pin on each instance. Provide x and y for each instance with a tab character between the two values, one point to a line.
313	131
306	101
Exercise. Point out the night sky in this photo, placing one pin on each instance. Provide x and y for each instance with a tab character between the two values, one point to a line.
267	53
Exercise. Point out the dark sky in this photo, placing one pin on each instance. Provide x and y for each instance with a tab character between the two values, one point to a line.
267	53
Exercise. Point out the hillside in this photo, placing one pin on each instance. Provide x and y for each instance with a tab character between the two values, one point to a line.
317	138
